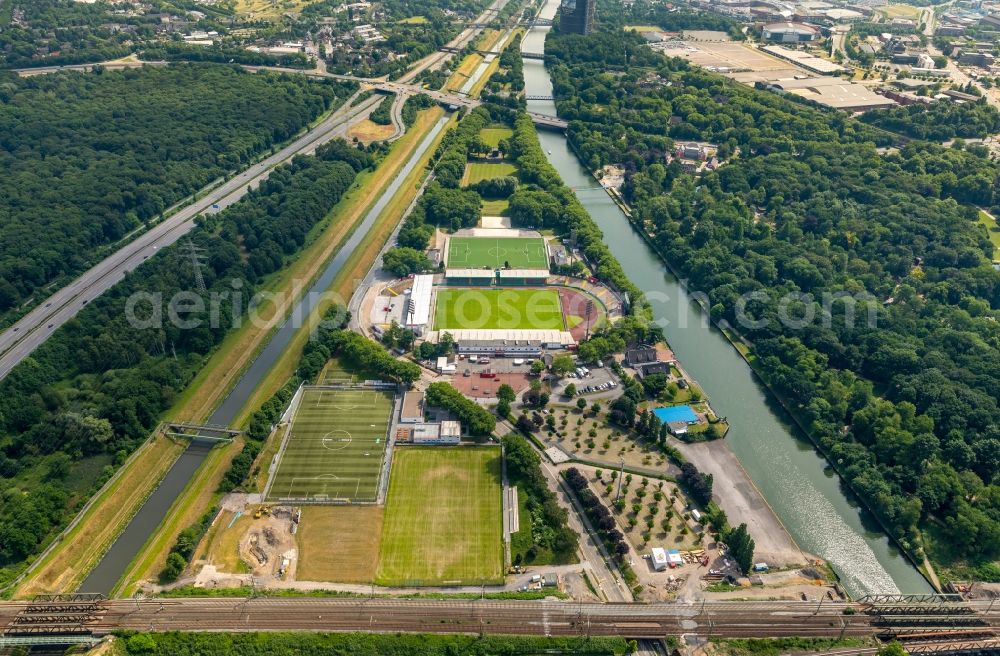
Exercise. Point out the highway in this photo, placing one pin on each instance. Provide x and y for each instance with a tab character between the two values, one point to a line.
18	341
27	334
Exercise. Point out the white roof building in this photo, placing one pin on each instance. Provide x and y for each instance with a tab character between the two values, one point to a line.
418	312
658	556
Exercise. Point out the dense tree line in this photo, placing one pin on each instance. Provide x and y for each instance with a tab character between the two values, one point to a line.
371	357
553	533
897	383
96	388
383	113
222	54
939	121
600	517
359	644
476	419
404	261
87	158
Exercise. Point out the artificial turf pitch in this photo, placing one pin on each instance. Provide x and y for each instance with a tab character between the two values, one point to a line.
498	309
442	518
335	449
479	252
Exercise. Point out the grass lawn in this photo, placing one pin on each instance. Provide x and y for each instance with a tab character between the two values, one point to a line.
493	309
478	171
335	447
493	136
338	543
221	546
368	131
479	252
442	518
993	229
414	20
495	207
900	11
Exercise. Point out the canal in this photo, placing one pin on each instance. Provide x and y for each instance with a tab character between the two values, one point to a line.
113	565
805	494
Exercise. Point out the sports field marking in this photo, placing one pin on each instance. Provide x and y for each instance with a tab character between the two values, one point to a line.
498	309
478	252
335	447
443	518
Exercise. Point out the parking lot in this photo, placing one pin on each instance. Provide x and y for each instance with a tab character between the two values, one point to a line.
602	382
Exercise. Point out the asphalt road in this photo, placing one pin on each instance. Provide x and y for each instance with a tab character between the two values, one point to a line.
22	338
18	341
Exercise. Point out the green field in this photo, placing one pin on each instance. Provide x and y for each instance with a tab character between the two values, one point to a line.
478	171
498	309
495	207
479	252
335	447
993	230
493	136
442	518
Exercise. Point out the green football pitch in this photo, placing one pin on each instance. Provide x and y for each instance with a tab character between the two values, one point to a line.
498	309
335	447
479	252
442	518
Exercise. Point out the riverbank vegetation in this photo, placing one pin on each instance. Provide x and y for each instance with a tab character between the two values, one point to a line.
82	166
897	383
360	644
94	390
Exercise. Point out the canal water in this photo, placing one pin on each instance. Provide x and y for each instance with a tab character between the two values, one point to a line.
112	567
806	495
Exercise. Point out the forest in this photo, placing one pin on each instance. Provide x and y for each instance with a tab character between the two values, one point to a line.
86	159
897	384
88	396
939	121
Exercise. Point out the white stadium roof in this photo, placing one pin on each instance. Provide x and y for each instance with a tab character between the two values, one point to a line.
420	301
524	273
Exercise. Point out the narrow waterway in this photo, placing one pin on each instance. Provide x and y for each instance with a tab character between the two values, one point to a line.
112	567
805	494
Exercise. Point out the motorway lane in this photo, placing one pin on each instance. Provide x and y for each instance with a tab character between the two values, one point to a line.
18	341
21	339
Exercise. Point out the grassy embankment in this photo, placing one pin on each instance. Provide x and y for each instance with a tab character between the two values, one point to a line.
199	495
117	504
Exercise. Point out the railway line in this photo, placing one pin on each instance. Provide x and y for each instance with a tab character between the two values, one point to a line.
541	618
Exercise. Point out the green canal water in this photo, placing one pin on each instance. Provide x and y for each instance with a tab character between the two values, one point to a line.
806	494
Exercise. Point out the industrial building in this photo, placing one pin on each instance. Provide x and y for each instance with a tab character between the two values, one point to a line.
577	16
834	92
805	60
789	33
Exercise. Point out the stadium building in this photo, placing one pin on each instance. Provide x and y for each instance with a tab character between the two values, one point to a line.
789	33
470	277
